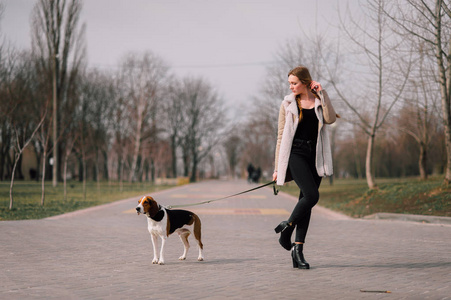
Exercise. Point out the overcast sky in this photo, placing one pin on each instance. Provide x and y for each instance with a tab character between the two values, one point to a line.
228	42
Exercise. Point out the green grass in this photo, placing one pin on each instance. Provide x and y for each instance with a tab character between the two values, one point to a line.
406	195
27	197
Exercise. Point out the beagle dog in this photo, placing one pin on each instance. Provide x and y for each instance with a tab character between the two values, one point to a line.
162	222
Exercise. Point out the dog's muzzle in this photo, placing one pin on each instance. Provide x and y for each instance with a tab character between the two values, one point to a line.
138	210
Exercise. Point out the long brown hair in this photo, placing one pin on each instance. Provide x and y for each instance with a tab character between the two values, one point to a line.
303	74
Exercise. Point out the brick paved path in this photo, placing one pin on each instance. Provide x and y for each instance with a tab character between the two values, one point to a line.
105	253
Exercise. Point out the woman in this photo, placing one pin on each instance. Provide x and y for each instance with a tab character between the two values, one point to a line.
302	153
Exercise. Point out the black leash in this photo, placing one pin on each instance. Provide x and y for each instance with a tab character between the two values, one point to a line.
240	193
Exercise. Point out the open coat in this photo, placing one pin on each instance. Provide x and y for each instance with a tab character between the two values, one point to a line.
288	122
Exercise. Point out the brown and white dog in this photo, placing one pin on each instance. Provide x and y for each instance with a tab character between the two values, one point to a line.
162	222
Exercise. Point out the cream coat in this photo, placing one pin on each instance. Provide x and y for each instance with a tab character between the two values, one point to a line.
288	122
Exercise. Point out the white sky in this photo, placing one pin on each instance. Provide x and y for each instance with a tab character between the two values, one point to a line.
225	41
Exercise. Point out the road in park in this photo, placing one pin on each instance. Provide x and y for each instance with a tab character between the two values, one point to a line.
105	253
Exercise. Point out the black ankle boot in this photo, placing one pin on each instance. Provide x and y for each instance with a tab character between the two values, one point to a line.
298	257
282	226
285	236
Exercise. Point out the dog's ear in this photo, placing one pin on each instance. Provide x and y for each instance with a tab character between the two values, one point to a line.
153	210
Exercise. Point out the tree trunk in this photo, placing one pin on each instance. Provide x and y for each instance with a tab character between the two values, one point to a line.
368	163
65	177
44	157
121	173
445	86
447	180
194	165
138	134
98	170
152	170
185	163
105	166
55	120
174	156
11	201
80	168
118	171
4	146
38	164
84	176
2	163
422	162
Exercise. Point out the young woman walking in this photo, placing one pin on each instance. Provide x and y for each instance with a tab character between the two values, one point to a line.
303	154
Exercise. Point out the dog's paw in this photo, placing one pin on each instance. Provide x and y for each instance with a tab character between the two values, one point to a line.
200	258
161	262
182	257
155	261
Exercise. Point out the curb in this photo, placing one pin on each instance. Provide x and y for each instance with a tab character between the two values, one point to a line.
410	218
334	215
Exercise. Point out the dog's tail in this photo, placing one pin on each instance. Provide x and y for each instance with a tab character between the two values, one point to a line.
197	230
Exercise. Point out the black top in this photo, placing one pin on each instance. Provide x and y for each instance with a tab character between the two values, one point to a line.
308	127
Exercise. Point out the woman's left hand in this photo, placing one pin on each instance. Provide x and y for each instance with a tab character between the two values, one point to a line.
316	86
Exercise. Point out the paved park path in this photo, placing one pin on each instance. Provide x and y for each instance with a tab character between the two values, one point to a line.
105	253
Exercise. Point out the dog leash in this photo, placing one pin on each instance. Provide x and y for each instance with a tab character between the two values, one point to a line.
276	191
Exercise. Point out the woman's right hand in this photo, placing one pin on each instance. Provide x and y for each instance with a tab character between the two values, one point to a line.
274	176
316	86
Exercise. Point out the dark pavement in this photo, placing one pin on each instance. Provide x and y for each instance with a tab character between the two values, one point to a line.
106	253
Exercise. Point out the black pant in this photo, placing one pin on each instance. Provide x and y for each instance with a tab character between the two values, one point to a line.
303	170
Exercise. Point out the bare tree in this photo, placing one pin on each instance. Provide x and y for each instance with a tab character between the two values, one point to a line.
20	146
417	114
430	22
58	43
204	120
142	77
121	128
97	91
173	119
383	85
26	121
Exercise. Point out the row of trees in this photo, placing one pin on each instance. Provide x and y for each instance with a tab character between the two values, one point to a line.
388	75
131	124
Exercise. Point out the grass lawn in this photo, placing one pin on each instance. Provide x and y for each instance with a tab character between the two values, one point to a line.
405	195
350	196
27	197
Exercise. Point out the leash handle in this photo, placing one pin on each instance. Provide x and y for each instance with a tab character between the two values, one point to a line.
275	190
240	193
